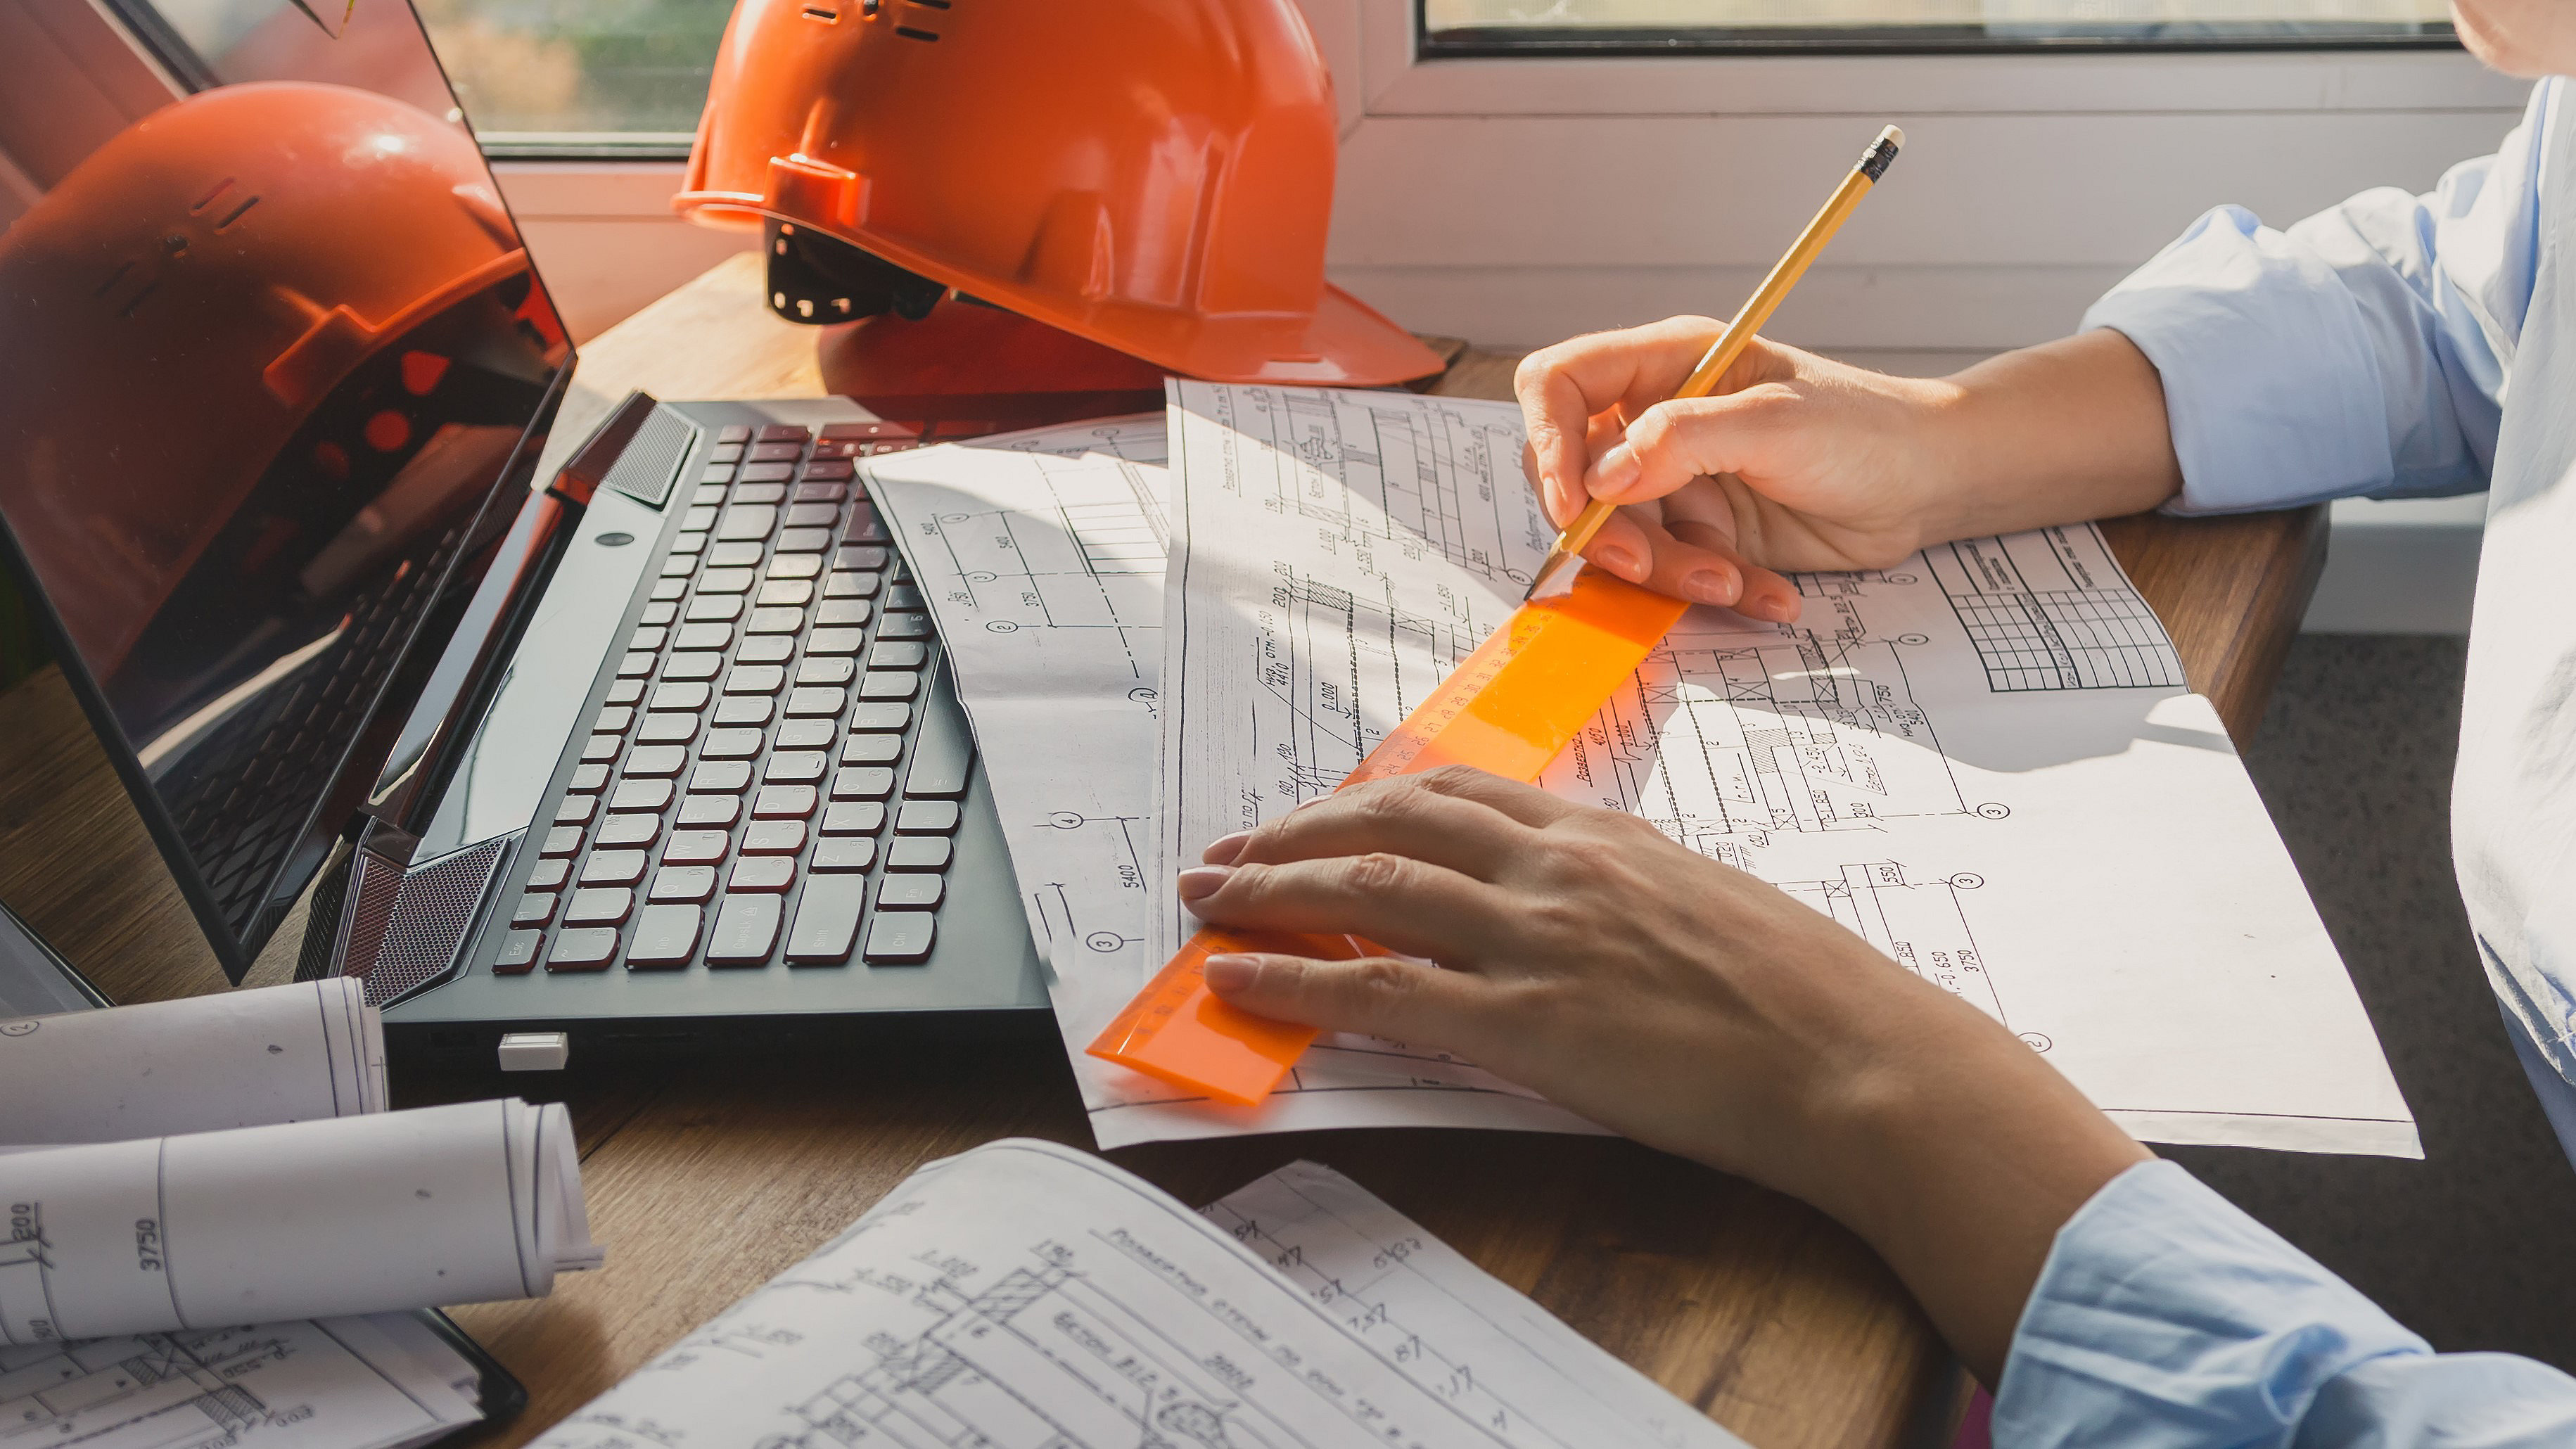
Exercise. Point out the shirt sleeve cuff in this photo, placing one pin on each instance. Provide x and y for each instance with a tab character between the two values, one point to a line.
2272	391
2166	1316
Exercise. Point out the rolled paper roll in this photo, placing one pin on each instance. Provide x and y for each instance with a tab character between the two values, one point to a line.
237	1059
396	1210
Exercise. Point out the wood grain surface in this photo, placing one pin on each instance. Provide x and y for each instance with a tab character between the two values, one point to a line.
707	1177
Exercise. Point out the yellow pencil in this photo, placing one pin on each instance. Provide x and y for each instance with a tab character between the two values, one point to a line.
1721	355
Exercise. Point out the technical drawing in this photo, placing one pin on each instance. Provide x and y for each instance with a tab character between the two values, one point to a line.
1337	670
1919	923
2041	618
152	1391
1090	557
1381	469
1108	846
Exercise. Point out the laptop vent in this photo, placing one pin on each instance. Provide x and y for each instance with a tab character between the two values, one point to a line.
374	885
431	914
652	461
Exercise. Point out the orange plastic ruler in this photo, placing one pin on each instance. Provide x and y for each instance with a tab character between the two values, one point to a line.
1508	708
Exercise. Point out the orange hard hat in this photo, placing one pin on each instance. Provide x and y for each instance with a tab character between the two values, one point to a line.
1157	179
177	314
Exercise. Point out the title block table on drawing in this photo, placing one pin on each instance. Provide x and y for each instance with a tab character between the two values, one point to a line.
705	1178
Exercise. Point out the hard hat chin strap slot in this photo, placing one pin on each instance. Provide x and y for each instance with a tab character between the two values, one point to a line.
818	279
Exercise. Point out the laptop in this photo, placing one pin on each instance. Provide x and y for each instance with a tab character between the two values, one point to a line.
653	752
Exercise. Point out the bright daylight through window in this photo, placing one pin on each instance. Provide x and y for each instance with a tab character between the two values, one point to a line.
1524	27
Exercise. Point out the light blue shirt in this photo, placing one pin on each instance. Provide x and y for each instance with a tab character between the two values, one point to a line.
2394	345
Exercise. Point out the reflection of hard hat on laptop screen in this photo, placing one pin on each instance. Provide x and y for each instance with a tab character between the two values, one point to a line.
183	304
1158	180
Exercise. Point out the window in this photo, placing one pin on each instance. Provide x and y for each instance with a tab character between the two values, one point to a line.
1462	28
579	77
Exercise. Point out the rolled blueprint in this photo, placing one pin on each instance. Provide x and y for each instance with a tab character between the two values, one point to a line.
239	1059
459	1204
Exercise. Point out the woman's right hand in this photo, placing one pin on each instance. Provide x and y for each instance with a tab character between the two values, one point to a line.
1798	462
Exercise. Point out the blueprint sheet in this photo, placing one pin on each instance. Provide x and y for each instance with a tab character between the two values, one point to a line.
1985	761
1027	1296
343	1383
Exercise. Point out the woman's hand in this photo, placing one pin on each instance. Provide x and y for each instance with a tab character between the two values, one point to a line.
1797	462
1684	1003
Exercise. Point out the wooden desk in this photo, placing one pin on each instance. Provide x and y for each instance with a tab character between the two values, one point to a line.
706	1178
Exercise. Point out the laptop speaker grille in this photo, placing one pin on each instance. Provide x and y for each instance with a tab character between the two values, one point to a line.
650	463
431	914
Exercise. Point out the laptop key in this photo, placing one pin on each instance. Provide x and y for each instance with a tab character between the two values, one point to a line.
803	541
768	472
695	665
625	691
882	716
794	767
787	593
774	837
666	590
827	920
796	433
926	817
715	606
864	526
698	519
584	950
755	679
942	756
725	581
696	847
916	852
889	684
730	777
548	875
575	809
743	709
640	795
734	433
614	719
806	734
665	936
648	636
613	867
859	556
825	670
813	515
852	817
659	613
683	883
734	556
814	699
863	782
777	452
588	779
783	802
904	594
910	890
748	521
834	641
745	930
843	584
679	565
766	649
898	654
822	492
709	494
845	612
600	749
705	636
668	727
732	744
799	564
536	908
679	696
562	840
762	873
900	938
710	811
656	760
845	853
518	953
775	621
826	468
630	828
689	543
770	491
599	906
904	626
872	750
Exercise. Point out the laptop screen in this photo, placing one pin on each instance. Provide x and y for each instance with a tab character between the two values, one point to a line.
269	344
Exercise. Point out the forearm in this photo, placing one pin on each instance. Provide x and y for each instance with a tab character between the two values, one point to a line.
2065	431
1957	1153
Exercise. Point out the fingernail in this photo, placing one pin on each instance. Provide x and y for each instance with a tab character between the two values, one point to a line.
1617	560
1615	470
1223	849
1203	880
1706	586
1229	973
1779	608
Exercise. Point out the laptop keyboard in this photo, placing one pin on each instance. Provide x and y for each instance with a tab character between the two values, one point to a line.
763	785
